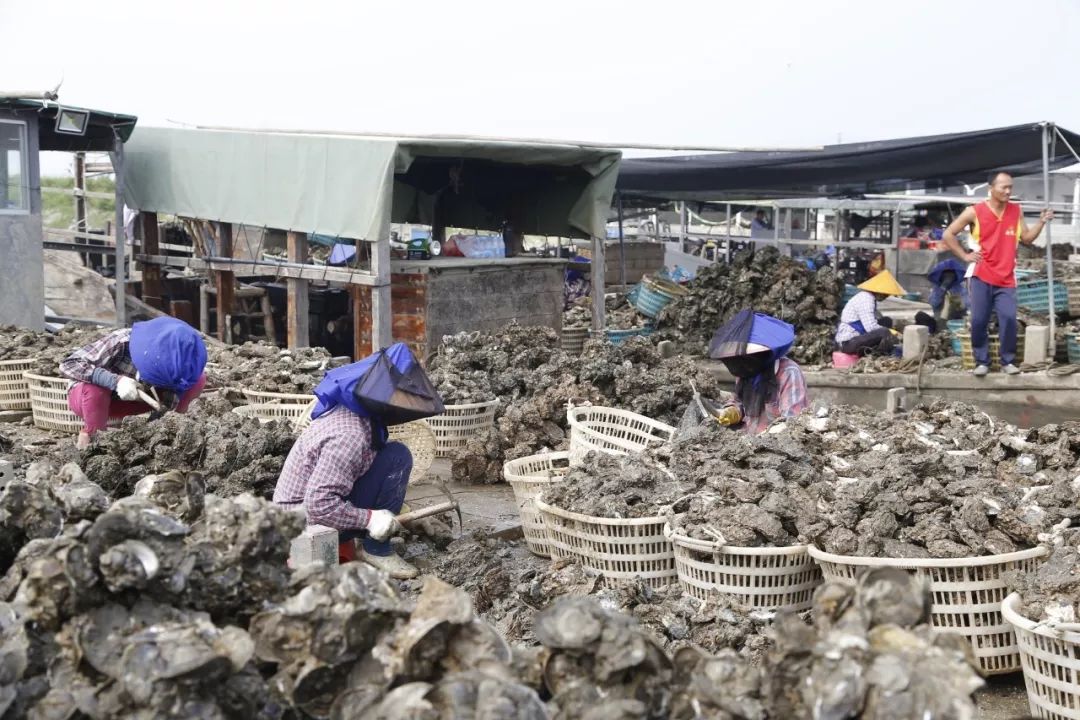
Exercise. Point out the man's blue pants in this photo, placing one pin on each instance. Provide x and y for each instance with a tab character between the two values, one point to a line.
986	298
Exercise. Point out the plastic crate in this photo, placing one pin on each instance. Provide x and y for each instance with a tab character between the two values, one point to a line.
1050	659
49	403
967	354
617	337
612	431
955	327
1072	345
460	423
14	388
762	578
528	476
1072	295
1034	296
616	548
573	339
965	596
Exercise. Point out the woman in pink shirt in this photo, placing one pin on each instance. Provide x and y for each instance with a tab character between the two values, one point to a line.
768	385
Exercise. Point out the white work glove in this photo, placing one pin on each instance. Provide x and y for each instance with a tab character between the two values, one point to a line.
382	524
127	389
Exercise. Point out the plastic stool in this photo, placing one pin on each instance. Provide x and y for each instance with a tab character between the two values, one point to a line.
843	360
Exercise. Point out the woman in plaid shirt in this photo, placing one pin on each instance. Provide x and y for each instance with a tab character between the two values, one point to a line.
768	385
164	353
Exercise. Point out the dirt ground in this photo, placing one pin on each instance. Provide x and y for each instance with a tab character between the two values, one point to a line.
1003	698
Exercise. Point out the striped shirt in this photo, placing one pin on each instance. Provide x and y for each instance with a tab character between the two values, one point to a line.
861	308
790	398
101	362
323	466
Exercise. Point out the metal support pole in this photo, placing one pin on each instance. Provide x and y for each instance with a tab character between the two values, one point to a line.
727	250
597	281
622	248
1047	130
121	248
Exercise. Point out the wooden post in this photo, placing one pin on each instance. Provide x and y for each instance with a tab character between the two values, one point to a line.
597	282
151	273
361	322
226	283
117	156
296	312
204	309
382	333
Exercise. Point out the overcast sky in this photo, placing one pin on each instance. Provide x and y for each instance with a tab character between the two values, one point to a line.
761	73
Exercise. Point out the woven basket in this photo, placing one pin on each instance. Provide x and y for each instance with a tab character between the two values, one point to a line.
293	413
1051	662
612	431
655	295
49	403
261	396
528	476
967	355
616	548
966	595
14	388
418	437
762	578
573	339
460	423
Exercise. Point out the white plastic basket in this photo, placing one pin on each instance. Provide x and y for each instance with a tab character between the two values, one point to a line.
612	431
265	412
49	403
460	423
762	578
528	476
262	396
418	437
966	595
616	548
1051	661
573	339
14	388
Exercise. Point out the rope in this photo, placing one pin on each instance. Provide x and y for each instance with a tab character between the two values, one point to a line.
1050	368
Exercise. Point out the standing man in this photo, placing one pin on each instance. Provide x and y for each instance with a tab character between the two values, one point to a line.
997	226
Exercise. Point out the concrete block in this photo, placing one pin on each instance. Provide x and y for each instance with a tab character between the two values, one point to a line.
667	348
916	337
895	400
1036	344
317	544
7	473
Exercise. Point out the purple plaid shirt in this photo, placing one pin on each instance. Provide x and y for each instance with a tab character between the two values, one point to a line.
108	355
322	467
790	398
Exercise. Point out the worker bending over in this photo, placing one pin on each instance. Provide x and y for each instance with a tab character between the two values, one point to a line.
768	385
342	469
163	357
997	227
948	280
860	331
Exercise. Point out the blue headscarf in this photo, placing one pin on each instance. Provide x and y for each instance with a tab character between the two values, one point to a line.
168	353
951	264
747	327
773	333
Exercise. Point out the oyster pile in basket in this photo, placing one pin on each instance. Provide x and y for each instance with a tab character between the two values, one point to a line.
631	486
1050	590
46	349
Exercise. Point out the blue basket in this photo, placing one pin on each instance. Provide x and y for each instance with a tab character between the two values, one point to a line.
1072	343
649	301
956	326
1033	296
849	292
617	337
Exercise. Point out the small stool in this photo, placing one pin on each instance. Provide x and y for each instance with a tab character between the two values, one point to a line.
843	360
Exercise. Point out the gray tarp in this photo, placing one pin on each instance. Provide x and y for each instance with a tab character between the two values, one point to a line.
352	186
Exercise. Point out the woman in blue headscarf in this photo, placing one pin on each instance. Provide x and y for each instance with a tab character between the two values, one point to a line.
768	385
165	354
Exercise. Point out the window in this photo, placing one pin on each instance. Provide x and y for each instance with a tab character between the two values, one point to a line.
14	168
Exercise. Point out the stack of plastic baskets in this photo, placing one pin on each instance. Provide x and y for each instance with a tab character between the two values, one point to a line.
616	548
765	578
653	295
460	423
14	388
49	403
573	339
955	328
967	355
612	431
528	476
965	595
1050	656
1035	296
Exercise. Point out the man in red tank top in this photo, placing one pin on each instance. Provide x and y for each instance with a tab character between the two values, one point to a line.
997	226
